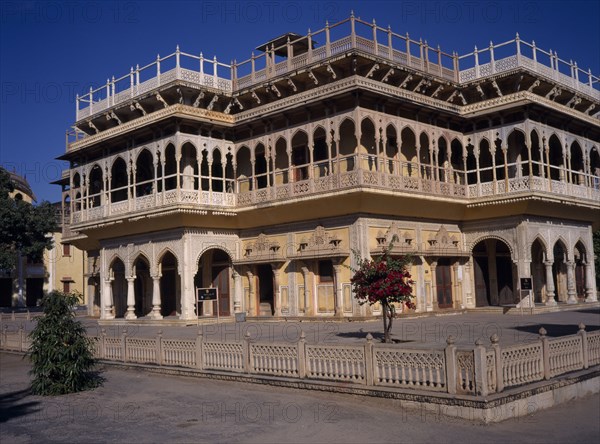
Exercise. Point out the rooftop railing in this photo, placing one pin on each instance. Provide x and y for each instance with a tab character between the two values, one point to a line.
349	34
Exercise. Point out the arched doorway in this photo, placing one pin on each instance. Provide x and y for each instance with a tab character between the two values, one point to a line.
580	261
142	287
538	270
119	287
170	286
214	270
493	273
559	270
266	299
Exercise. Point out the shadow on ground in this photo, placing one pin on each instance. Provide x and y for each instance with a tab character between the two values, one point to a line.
11	405
555	330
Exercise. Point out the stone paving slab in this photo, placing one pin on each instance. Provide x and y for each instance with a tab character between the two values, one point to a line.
134	406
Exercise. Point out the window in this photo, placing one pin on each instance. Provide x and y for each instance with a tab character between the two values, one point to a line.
67	250
66	287
325	271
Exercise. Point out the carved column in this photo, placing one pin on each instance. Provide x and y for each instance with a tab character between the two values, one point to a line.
339	310
590	294
571	290
155	314
550	301
277	295
468	285
432	302
130	298
237	291
306	295
251	309
107	299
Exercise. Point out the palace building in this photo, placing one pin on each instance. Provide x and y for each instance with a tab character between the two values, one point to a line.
269	178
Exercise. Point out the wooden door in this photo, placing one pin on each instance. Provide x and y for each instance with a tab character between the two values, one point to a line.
221	281
443	282
481	277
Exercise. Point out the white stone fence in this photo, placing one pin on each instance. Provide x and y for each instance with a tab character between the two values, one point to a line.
477	371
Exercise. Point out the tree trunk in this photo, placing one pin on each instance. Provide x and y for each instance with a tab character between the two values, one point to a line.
387	321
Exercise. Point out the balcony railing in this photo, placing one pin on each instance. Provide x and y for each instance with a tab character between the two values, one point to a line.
344	174
355	35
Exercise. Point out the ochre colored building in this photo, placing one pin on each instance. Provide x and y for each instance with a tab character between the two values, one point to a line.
263	177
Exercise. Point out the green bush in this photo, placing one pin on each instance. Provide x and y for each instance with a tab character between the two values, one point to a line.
61	354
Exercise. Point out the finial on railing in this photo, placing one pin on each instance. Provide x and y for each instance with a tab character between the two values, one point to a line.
475	50
302	335
177	48
479	342
326	24
491	44
450	340
157	56
352	13
374	24
543	332
369	337
494	339
581	326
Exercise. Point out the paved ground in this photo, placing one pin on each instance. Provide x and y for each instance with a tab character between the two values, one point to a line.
432	330
134	406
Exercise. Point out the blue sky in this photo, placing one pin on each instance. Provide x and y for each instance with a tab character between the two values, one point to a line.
49	51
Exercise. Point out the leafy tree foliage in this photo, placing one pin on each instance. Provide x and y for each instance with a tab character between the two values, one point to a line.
61	353
385	280
23	227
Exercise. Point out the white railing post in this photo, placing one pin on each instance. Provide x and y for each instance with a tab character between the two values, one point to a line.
590	77
534	51
390	49
450	355
352	30
159	348
518	45
301	350
309	56
246	353
327	40
107	93
369	361
407	49
77	106
124	345
375	49
131	82
113	91
492	62
545	352
137	79
498	363
22	338
158	70
584	345
480	361
91	101
476	55
102	344
199	354
177	61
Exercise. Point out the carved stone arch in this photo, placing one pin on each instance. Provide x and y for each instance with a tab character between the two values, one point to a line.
318	126
112	260
136	256
160	256
566	245
141	150
496	237
213	247
581	240
296	131
115	158
542	240
344	119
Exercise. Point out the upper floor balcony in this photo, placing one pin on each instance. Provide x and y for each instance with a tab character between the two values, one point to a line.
201	175
295	53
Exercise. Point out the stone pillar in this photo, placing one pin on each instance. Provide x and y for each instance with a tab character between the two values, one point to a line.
107	299
590	293
237	291
130	298
468	285
251	309
339	309
277	292
571	290
307	308
155	314
550	301
432	302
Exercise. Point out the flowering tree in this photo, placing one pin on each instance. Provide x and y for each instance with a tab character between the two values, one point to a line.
385	280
